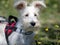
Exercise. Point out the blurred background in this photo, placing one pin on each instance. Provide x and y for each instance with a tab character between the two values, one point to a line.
50	19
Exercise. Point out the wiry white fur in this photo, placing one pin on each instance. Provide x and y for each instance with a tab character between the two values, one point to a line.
17	38
25	21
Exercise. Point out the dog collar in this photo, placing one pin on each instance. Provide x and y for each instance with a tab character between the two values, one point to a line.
26	33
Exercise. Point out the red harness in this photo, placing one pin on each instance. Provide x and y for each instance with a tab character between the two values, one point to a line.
10	28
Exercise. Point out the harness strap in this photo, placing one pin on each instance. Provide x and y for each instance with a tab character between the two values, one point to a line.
9	30
8	33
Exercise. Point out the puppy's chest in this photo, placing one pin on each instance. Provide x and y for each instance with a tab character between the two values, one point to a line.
25	39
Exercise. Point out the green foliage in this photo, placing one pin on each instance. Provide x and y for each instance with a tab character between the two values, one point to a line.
50	36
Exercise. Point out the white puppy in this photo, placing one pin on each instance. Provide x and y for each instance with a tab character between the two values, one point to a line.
28	22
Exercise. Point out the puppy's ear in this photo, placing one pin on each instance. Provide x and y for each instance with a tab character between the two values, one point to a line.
20	5
38	4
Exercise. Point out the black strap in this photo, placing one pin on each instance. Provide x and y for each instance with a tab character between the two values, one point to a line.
28	33
7	28
6	37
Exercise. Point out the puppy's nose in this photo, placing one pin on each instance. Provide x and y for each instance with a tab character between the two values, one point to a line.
33	23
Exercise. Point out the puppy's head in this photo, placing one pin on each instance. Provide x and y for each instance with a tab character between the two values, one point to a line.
29	14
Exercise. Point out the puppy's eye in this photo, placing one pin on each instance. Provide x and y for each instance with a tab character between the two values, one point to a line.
26	15
35	14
